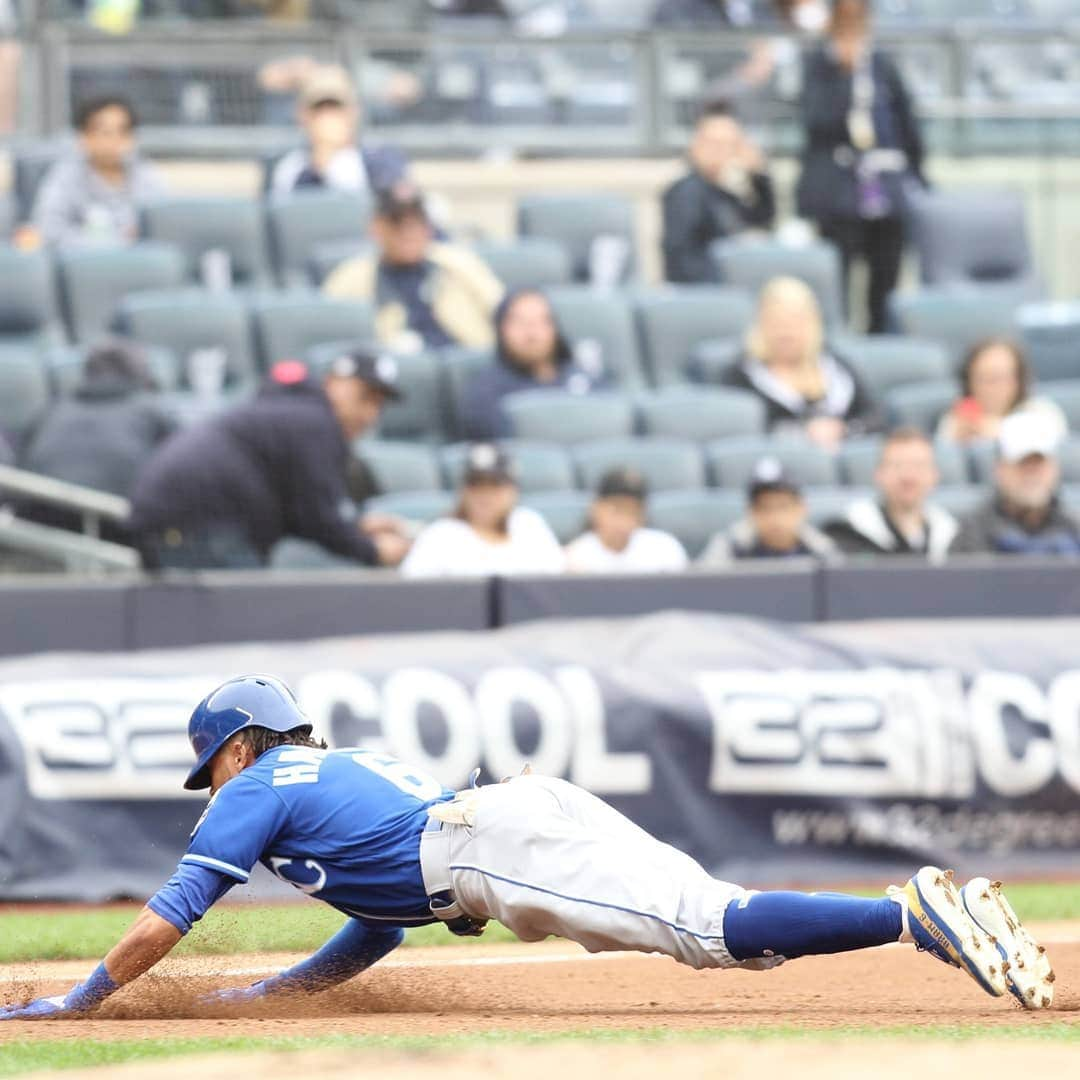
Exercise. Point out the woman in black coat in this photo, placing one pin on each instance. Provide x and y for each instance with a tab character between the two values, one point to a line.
863	147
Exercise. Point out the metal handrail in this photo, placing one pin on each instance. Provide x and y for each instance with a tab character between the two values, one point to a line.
79	553
76	497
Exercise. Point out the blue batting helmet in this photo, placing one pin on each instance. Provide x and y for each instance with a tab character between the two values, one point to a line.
247	701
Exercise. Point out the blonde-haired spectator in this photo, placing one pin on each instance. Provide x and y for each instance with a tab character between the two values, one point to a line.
787	363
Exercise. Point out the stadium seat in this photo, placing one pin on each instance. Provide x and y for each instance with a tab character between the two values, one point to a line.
711	359
188	322
419	414
884	362
538	466
93	281
24	390
64	364
675	321
567	512
826	504
701	413
695	517
299	222
555	416
1066	393
399	466
577	221
30	165
960	499
958	318
921	405
529	262
326	258
1051	338
858	459
28	305
750	264
667	464
422	506
287	325
199	225
293	553
732	461
600	326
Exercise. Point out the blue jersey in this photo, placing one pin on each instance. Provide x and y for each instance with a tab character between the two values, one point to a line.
340	825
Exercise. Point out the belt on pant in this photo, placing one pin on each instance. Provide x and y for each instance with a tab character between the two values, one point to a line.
435	869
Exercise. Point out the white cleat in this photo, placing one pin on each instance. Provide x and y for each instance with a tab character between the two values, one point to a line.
1028	974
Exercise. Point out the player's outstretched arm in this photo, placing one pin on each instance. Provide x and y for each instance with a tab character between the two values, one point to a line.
148	939
354	948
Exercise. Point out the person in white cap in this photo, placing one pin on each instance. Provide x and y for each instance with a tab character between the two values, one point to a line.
1024	515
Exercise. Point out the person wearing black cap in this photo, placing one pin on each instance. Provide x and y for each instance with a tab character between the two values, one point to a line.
488	534
427	294
775	527
619	542
221	493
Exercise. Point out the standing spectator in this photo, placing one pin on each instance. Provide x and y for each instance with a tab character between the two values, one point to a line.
776	526
531	353
995	382
489	534
334	157
427	294
1025	515
727	191
805	387
619	542
221	493
92	194
863	146
901	521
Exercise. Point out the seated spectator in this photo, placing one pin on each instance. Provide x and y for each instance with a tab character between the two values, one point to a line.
329	113
223	492
92	194
900	521
489	533
727	191
619	542
531	353
805	387
776	526
1024	516
995	382
427	294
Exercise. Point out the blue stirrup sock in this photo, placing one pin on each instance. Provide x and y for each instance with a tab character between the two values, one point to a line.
795	924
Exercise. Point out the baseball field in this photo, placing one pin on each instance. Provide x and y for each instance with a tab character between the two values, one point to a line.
445	1007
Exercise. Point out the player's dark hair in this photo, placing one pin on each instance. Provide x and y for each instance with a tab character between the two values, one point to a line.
261	739
88	109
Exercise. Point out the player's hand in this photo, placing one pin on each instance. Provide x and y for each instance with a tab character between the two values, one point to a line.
49	1008
237	995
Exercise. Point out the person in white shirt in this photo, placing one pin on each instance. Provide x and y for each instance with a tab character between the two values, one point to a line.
619	542
489	535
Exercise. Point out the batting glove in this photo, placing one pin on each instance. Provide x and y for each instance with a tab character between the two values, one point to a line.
78	1000
239	995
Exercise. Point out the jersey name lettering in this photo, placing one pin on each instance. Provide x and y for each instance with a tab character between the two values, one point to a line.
298	767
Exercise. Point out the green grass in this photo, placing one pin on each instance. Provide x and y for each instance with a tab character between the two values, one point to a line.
21	1057
88	933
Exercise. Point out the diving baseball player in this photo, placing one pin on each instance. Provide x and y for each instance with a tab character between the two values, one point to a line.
392	848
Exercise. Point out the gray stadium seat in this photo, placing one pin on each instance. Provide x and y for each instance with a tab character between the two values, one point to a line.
567	512
555	416
198	225
186	321
921	404
399	466
858	459
701	413
93	281
884	361
301	221
826	504
529	262
960	499
292	553
695	517
711	359
413	505
64	364
732	461
30	165
958	318
24	389
750	264
600	323
28	305
1051	337
667	464
675	321
420	414
459	366
288	325
538	466
326	258
576	221
1066	392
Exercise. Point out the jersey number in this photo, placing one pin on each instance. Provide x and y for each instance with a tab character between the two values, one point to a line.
422	787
